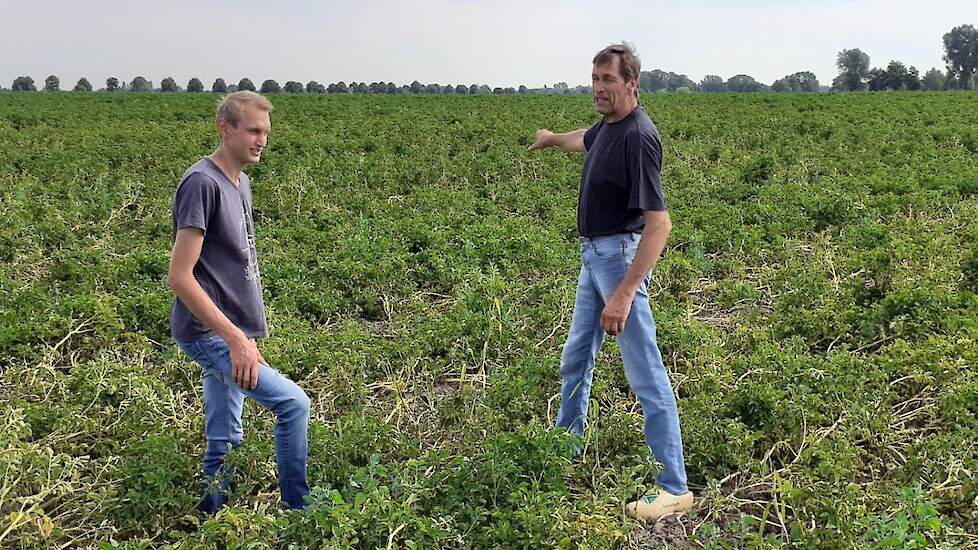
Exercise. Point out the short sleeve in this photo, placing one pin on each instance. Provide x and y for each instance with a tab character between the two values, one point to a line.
645	172
195	202
591	134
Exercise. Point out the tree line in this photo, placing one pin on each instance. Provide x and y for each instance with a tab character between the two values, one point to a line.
140	84
960	55
855	74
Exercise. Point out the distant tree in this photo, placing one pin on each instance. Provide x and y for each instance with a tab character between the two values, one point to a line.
393	88
313	87
23	84
804	81
448	89
219	87
895	76
853	65
270	87
523	89
933	80
232	88
432	89
195	85
473	89
83	85
417	87
338	88
677	81
362	88
653	81
876	80
140	84
744	83
713	84
293	87
168	85
912	80
461	89
484	89
52	84
246	84
112	84
961	55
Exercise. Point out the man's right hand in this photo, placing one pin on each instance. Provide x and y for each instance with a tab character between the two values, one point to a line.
245	359
543	140
245	356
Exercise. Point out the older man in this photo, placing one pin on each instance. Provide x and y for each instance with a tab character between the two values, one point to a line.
623	226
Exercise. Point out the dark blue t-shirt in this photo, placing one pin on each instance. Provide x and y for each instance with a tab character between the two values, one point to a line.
228	265
621	176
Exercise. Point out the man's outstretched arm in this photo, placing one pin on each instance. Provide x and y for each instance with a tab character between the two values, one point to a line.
571	141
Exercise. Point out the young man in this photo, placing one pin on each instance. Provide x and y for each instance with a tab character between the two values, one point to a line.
218	311
623	226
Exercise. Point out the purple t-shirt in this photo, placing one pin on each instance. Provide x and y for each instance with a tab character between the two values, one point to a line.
227	269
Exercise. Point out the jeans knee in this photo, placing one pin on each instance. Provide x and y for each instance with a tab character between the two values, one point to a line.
296	406
305	405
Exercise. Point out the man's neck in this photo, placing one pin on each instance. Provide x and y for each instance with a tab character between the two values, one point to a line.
227	164
623	114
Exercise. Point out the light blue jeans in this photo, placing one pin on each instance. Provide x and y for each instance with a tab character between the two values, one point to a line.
223	401
604	262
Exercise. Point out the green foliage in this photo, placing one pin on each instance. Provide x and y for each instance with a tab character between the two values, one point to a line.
917	523
815	306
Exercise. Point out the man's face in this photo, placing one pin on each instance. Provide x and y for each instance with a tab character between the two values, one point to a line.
247	140
611	93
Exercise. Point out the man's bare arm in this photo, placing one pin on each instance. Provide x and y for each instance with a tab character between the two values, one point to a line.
653	241
245	356
571	141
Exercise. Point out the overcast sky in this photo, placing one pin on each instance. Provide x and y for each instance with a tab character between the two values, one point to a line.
499	42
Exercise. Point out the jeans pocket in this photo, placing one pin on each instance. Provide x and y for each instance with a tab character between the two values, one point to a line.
190	349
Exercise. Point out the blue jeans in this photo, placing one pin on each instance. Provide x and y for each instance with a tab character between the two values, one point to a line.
604	262
223	400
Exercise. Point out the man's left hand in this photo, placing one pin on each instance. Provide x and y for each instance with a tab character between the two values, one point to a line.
615	313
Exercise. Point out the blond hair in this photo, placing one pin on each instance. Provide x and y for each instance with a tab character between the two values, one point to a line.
232	105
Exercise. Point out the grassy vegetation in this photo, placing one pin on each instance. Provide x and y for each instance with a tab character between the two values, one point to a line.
816	308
